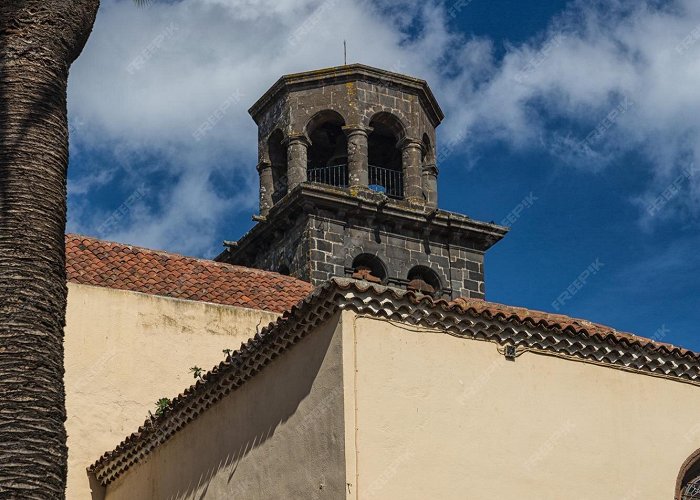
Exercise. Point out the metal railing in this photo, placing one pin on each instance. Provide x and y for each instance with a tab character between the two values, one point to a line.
334	175
389	179
386	180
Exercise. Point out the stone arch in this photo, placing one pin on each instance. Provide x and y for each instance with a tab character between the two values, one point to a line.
689	477
384	154
425	280
369	267
277	153
327	156
389	121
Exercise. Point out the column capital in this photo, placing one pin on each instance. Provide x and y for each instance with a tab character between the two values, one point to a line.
262	165
430	168
409	142
297	139
356	129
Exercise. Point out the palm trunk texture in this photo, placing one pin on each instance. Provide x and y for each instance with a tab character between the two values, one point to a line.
39	40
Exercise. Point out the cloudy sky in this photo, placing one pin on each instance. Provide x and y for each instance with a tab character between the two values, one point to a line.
575	123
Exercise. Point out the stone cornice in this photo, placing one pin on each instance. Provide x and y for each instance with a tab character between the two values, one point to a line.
367	204
348	73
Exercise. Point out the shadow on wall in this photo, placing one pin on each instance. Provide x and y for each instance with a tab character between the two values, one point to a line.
277	435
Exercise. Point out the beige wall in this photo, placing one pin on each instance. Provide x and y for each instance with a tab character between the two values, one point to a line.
124	351
443	417
279	436
425	415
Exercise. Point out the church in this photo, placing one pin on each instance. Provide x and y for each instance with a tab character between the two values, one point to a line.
354	352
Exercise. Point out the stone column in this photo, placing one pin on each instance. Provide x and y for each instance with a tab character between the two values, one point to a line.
430	192
411	155
267	187
357	155
297	146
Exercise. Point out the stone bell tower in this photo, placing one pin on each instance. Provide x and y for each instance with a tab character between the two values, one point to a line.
348	186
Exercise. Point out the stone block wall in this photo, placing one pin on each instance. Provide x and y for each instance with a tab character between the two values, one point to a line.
316	248
335	245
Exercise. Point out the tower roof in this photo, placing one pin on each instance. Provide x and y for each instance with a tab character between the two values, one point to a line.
350	73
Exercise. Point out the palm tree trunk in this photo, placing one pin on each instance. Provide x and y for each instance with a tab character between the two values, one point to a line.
39	40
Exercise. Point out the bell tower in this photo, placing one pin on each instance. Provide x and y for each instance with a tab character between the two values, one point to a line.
348	186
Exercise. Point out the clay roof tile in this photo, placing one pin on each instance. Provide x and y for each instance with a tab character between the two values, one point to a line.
114	265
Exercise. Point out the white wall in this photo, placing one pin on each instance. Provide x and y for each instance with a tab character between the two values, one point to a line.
279	436
125	350
449	418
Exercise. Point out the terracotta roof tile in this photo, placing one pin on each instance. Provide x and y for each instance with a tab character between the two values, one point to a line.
96	262
562	322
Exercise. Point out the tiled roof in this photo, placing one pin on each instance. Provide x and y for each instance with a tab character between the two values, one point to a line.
564	323
529	331
90	261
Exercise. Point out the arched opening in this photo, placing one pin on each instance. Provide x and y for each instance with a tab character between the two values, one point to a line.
278	159
283	269
385	166
369	267
328	153
424	280
688	482
428	154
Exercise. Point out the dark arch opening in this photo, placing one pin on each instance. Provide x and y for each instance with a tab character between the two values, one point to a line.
384	154
283	269
428	154
278	160
369	267
328	153
424	280
688	481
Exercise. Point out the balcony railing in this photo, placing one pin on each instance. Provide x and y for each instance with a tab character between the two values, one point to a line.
385	180
334	175
388	180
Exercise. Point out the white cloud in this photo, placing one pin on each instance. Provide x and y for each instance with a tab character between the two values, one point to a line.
194	55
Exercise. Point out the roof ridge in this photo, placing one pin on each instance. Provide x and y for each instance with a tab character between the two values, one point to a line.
570	320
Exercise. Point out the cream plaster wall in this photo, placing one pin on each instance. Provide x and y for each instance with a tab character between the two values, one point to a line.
449	418
124	351
279	436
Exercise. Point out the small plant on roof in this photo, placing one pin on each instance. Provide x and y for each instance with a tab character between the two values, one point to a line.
196	372
228	352
161	405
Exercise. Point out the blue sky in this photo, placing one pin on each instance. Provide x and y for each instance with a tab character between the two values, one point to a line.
589	111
